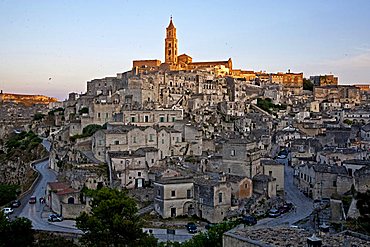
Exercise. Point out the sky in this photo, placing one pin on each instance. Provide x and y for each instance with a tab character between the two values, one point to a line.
55	47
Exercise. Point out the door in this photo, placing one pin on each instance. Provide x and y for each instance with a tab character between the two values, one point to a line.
173	212
139	183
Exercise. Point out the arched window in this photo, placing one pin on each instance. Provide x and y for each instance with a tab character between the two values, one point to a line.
71	200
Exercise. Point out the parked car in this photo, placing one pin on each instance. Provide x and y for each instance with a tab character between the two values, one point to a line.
249	220
285	208
192	228
8	211
32	200
273	213
55	218
16	203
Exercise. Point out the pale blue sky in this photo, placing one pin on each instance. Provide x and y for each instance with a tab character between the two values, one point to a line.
76	41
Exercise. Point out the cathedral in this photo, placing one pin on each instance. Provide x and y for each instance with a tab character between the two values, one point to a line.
175	62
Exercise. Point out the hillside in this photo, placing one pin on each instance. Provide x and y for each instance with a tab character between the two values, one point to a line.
26	99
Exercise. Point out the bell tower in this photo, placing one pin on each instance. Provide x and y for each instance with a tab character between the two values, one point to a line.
170	51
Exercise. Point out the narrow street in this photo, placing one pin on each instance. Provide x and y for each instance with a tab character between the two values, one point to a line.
303	204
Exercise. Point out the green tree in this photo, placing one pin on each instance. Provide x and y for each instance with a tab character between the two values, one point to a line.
15	233
307	84
8	192
113	221
90	129
348	121
38	116
83	110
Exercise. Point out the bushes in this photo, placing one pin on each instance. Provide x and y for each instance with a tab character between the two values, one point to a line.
89	130
24	140
267	105
8	192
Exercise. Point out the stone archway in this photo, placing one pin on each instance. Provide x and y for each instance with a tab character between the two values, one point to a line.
188	208
71	200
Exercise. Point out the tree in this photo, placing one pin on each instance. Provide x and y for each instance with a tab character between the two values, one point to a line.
8	192
113	221
15	233
38	116
83	110
307	84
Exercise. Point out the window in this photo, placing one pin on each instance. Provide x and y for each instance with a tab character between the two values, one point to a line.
177	139
134	139
116	142
152	161
334	183
162	141
159	192
173	193
151	137
132	119
246	186
139	174
219	197
146	119
98	114
173	119
161	119
188	194
350	172
233	152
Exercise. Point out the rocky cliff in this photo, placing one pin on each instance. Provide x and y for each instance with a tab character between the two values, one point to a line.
16	155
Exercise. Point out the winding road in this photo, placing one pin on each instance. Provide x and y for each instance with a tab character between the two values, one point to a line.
34	212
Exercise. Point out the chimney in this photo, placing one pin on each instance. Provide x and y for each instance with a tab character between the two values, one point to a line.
314	241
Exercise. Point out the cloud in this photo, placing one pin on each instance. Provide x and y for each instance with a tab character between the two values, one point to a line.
359	61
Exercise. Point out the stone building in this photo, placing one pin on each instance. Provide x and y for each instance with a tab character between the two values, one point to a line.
287	236
264	185
212	198
241	188
322	181
362	179
365	132
240	157
151	117
324	80
336	93
274	169
131	168
174	196
167	140
64	200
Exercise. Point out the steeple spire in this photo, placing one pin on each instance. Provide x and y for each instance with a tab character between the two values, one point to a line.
171	44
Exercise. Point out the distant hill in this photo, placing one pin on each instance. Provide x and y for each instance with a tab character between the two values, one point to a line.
26	99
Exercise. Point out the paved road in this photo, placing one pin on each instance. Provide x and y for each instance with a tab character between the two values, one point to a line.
181	235
34	212
304	205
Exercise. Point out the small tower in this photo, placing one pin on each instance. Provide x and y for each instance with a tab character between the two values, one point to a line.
170	52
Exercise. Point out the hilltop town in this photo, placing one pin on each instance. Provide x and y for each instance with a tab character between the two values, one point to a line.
208	140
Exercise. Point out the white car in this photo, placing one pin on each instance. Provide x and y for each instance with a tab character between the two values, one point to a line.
7	211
